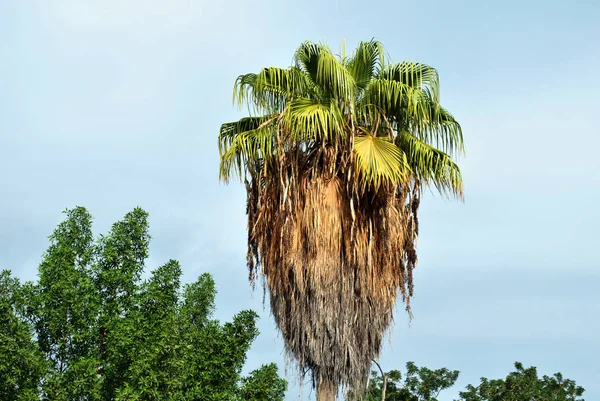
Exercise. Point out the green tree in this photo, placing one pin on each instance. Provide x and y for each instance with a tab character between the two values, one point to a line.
21	363
419	384
262	384
523	384
64	306
334	156
103	333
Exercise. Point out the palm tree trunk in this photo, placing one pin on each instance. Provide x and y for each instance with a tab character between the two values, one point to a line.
326	390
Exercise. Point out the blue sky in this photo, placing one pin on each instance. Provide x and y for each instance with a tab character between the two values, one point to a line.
113	104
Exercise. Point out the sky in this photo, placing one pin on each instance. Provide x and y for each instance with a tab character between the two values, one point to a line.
115	104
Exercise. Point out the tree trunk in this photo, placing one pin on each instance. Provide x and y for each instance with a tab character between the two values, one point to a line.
326	391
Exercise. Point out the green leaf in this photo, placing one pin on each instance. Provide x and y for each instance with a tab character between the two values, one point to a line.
378	160
311	120
366	62
397	98
245	141
326	71
92	329
431	165
269	90
415	75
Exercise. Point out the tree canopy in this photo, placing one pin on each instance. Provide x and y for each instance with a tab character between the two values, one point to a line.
524	384
92	329
418	384
424	384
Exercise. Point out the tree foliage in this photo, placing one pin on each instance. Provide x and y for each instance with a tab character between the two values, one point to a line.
325	100
21	363
523	384
423	384
262	384
92	329
418	384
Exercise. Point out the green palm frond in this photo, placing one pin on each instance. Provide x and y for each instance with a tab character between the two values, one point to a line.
440	129
378	160
367	60
245	141
397	98
415	75
306	58
229	131
272	88
243	90
431	165
291	82
311	120
326	71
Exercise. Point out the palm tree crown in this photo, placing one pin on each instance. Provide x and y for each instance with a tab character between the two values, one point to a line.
334	155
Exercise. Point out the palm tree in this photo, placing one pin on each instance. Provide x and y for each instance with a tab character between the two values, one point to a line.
334	155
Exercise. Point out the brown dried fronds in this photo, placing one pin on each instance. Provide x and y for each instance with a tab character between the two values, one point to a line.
333	274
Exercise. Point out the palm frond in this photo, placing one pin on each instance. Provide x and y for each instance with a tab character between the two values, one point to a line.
243	142
243	90
440	129
378	160
415	75
431	165
230	130
306	58
366	62
268	91
397	98
308	119
326	70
